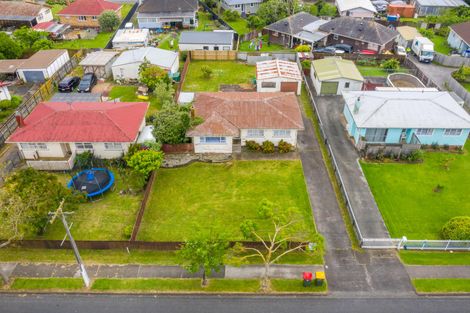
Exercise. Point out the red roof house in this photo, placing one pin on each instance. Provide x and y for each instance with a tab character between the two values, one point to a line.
85	13
56	131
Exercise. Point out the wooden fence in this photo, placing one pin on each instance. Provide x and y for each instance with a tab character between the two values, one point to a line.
183	76
220	55
178	148
357	56
143	205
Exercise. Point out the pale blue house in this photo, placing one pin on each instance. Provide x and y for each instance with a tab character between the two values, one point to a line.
405	117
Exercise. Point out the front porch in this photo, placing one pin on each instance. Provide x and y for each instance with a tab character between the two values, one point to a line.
53	163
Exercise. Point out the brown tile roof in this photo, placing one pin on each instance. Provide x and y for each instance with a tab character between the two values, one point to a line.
463	30
19	8
227	112
42	58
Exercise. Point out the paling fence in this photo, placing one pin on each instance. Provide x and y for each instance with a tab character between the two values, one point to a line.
378	243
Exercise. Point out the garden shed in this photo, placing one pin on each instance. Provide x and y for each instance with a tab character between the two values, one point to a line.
278	75
42	65
332	76
99	62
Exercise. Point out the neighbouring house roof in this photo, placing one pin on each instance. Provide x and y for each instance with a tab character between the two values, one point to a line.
360	29
19	10
98	58
82	122
407	32
346	5
463	31
213	38
225	113
131	35
42	59
163	58
406	109
165	6
235	2
334	68
292	24
277	69
441	3
89	7
10	66
51	27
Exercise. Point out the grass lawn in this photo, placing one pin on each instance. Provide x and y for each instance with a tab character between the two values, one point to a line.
223	72
441	285
99	41
434	258
240	25
126	7
378	71
165	42
55	8
220	196
295	285
406	197
128	94
205	22
103	219
47	283
441	45
245	46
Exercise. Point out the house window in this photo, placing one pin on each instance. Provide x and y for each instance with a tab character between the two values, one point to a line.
237	6
453	132
226	48
94	17
84	146
252	4
113	146
216	48
346	85
335	37
205	48
268	84
424	131
33	146
255	133
282	133
82	18
213	140
275	34
376	134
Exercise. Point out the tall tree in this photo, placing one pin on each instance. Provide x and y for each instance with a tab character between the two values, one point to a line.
151	75
171	124
31	39
108	20
9	48
273	10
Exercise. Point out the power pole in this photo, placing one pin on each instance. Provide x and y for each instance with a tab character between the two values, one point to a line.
83	271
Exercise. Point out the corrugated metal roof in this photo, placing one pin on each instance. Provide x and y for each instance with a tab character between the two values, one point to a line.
407	32
98	58
277	68
156	56
193	37
346	5
442	3
334	68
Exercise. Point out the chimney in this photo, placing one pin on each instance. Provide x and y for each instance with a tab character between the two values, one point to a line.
19	119
357	105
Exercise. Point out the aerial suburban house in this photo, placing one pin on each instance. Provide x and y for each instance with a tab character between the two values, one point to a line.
356	8
99	63
19	13
242	6
278	75
359	33
332	76
435	7
297	29
232	118
55	132
459	38
406	34
165	14
131	38
405	117
85	13
215	40
126	66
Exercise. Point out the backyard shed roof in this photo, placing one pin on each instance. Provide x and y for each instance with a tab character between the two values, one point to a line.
42	59
89	7
335	68
156	56
463	30
98	58
131	35
407	32
214	37
441	3
292	24
406	109
165	6
346	5
19	10
277	69
10	66
82	122
225	113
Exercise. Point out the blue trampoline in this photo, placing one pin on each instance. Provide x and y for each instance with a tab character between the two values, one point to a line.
93	181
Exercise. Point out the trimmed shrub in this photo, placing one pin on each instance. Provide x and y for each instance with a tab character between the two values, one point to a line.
284	147
128	231
267	147
457	228
416	155
302	48
429	33
391	64
306	64
206	71
253	145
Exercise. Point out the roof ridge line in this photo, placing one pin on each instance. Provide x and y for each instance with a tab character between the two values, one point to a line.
104	113
279	111
442	107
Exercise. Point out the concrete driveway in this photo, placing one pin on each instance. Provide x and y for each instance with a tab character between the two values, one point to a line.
438	74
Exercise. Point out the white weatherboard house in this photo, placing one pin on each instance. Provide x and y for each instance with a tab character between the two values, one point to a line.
55	132
242	6
333	75
215	40
126	66
278	75
405	117
131	38
232	118
356	8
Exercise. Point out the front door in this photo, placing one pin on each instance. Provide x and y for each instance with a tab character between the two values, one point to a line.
243	8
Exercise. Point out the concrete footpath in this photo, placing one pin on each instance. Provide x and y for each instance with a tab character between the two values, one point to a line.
45	270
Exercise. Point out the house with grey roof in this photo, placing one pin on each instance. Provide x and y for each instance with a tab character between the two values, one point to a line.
361	34
215	40
356	8
459	38
405	118
242	6
165	14
435	7
298	29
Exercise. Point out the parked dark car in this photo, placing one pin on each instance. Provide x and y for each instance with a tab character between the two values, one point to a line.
87	83
328	49
69	83
345	47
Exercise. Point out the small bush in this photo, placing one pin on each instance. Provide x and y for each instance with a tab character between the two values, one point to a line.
128	231
206	71
438	188
416	155
302	48
306	64
367	62
443	31
435	146
184	55
446	147
284	147
230	15
391	64
84	160
429	33
253	145
267	147
457	228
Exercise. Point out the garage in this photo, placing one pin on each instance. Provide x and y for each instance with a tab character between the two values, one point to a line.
34	76
42	65
329	88
278	76
289	86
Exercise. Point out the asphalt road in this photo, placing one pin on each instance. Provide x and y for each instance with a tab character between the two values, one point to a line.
208	304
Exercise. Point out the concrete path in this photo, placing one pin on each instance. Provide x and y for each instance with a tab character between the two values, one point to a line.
276	271
433	271
438	74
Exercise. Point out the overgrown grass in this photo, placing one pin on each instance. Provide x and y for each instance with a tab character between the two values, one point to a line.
240	25
129	94
165	42
295	285
99	41
223	72
434	258
56	8
441	45
407	197
245	46
47	284
444	285
377	71
205	22
126	7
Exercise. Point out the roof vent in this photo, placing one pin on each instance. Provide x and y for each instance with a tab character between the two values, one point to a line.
357	105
